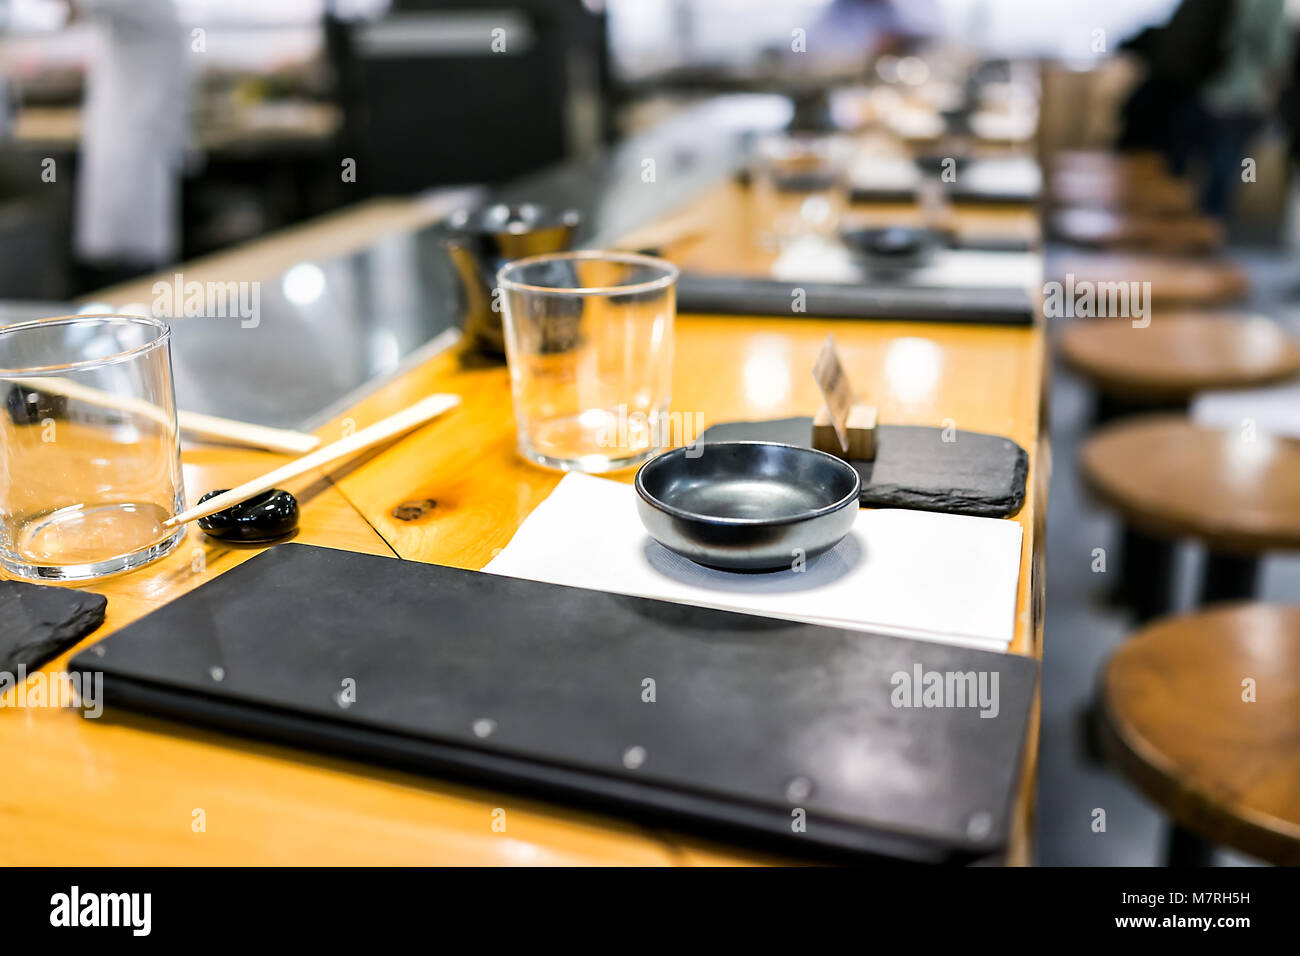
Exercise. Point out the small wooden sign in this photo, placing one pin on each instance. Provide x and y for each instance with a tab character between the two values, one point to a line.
844	426
835	388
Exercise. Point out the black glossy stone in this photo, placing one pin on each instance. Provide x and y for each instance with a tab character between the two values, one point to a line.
27	406
39	622
916	466
270	515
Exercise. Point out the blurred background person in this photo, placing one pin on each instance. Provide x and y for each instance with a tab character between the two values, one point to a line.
1180	56
6	107
133	139
1238	100
856	31
1214	72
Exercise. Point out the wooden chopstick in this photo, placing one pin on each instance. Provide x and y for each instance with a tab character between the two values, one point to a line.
417	414
192	423
244	433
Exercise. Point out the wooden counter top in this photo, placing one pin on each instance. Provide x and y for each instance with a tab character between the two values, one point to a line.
126	790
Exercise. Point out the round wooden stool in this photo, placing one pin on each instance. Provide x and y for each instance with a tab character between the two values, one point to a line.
1173	358
1095	162
1236	492
1116	229
1178	720
1157	195
1175	282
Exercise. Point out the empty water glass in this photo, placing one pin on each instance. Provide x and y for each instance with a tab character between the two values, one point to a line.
90	461
589	338
800	184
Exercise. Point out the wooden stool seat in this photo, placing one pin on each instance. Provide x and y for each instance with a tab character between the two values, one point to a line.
1175	723
1114	229
1151	195
1175	282
1171	478
1173	359
1140	165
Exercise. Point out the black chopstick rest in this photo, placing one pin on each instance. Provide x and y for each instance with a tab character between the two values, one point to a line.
265	517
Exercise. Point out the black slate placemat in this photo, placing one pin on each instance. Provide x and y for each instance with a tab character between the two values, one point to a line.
971	196
974	474
747	295
738	724
960	192
40	621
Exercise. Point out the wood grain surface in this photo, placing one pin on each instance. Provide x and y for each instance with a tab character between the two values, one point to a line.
1234	490
123	790
1202	713
1122	229
1176	357
1177	282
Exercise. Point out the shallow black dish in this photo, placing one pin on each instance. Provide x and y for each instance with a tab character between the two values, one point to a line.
892	248
747	506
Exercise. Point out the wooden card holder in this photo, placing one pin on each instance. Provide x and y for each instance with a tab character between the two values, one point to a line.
861	429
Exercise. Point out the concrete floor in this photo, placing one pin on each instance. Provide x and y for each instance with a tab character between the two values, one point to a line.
1081	629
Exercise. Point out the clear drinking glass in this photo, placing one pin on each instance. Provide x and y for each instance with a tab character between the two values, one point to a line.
800	184
589	337
90	461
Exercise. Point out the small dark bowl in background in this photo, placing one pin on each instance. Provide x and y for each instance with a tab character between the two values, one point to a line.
933	164
892	248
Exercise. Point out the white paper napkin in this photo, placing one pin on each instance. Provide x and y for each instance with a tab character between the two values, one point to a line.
947	578
1012	173
815	259
986	174
1271	411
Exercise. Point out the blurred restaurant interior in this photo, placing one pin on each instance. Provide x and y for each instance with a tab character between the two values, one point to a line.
683	432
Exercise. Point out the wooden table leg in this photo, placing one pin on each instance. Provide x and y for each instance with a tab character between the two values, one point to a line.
1146	574
1229	577
1108	407
1183	847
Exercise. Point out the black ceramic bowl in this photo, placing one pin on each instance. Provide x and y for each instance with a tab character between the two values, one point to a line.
934	164
892	248
747	505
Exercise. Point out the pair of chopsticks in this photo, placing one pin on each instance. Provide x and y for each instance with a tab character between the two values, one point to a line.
417	414
192	423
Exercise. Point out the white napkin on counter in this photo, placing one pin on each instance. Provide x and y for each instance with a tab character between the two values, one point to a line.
1272	411
816	259
947	578
988	174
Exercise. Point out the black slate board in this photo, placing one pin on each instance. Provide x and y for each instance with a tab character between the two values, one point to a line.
962	195
978	243
39	622
975	474
745	295
746	708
